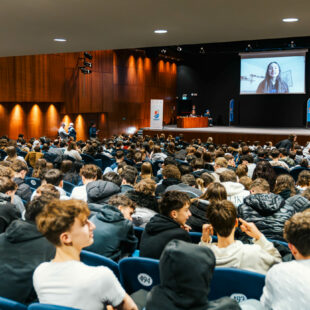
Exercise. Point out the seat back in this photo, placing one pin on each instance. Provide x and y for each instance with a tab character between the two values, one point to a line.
237	284
280	170
195	236
68	187
93	259
156	166
8	304
33	182
87	158
138	233
295	172
38	306
139	273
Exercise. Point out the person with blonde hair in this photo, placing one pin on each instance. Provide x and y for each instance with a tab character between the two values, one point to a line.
61	281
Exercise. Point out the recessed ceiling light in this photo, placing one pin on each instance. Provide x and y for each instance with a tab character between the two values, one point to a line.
290	20
160	31
60	40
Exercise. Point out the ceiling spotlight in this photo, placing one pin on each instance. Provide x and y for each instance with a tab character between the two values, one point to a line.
60	40
85	71
88	56
163	51
88	64
159	31
202	50
179	49
292	44
290	20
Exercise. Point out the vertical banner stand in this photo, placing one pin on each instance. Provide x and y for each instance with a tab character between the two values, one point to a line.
156	117
308	113
231	111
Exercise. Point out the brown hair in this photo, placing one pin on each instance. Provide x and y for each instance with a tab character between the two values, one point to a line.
228	176
242	171
11	152
121	200
304	178
222	216
261	184
283	182
171	171
48	190
146	170
173	200
7	184
246	182
221	162
6	172
215	191
39	168
297	232
19	165
89	171
146	186
59	216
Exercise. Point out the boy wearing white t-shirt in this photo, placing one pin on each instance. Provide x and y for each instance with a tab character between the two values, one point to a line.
66	281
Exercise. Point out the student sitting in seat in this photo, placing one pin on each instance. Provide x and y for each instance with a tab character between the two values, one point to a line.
257	257
66	281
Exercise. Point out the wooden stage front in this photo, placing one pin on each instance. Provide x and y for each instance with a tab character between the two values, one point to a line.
225	134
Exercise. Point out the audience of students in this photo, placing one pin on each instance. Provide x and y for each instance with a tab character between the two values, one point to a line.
205	188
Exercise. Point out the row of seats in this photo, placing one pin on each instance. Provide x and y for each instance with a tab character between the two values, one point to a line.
137	273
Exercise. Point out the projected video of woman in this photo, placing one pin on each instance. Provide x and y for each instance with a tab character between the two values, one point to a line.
281	72
272	83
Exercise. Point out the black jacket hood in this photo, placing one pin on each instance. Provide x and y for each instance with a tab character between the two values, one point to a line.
99	191
110	214
159	223
21	231
143	200
186	271
265	204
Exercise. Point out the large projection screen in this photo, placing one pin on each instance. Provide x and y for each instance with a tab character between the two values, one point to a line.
280	72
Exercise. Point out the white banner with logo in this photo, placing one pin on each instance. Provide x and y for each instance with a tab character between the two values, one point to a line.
157	113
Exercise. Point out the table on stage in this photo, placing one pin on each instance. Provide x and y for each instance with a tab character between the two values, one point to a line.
192	122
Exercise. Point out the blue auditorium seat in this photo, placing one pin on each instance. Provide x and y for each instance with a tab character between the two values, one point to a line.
139	273
237	284
93	259
8	304
38	306
33	182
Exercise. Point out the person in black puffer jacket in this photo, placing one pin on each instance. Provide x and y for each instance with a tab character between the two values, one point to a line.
185	277
266	210
169	224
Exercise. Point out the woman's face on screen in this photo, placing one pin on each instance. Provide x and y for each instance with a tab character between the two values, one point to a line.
273	70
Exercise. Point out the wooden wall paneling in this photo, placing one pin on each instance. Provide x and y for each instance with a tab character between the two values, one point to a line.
40	78
71	89
56	78
24	78
102	61
108	90
34	123
7	79
84	93
51	120
4	119
17	121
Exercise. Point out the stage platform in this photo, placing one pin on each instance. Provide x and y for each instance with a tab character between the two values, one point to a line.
225	134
